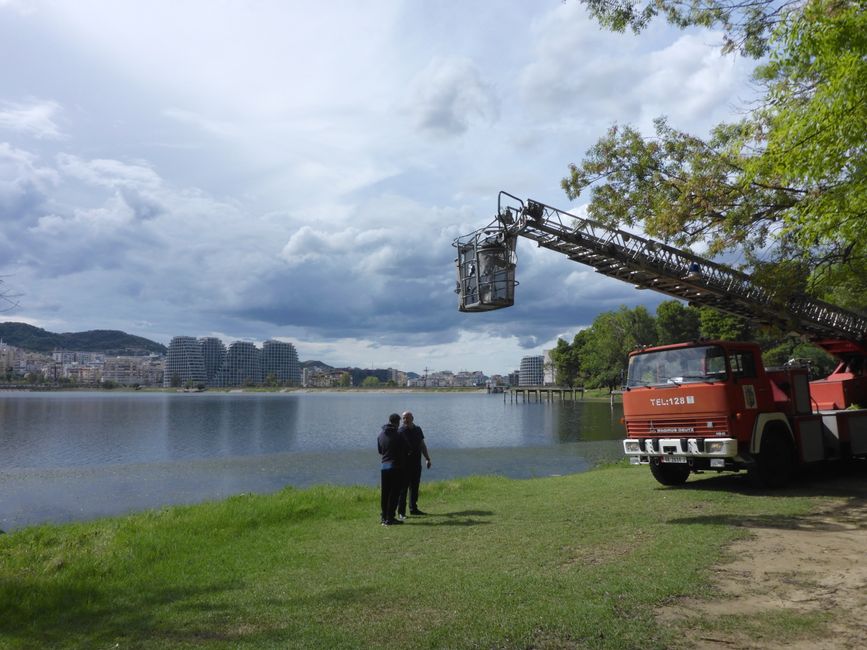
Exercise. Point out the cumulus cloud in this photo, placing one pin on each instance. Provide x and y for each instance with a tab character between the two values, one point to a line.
580	72
108	172
448	95
36	118
24	184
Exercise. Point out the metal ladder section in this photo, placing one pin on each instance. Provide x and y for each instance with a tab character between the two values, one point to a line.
652	265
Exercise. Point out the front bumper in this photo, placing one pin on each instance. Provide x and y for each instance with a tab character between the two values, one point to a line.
708	452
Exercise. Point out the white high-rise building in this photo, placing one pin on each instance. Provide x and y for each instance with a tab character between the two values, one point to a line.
280	361
214	354
531	372
184	363
242	366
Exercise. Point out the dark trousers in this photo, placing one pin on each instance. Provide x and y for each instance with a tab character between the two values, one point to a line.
391	483
413	478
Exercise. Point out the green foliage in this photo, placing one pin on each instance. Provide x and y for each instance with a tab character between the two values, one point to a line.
786	186
821	363
567	360
747	24
814	124
718	325
371	382
608	342
676	323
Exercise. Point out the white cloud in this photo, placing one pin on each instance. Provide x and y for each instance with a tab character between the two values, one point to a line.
36	118
582	73
448	95
108	172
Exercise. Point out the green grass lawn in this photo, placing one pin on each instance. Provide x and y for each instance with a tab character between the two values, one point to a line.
560	562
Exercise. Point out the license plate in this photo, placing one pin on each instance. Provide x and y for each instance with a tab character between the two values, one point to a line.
673	459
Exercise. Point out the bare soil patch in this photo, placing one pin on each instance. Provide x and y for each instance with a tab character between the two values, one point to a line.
812	567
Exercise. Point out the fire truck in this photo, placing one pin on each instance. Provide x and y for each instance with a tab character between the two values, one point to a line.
699	405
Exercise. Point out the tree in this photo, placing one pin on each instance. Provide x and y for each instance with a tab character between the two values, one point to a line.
610	339
747	24
791	348
567	362
676	323
371	382
788	183
723	326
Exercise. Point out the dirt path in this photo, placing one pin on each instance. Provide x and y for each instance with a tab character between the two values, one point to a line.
801	568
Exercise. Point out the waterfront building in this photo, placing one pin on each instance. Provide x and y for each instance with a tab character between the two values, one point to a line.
133	371
213	355
280	363
184	363
242	366
531	372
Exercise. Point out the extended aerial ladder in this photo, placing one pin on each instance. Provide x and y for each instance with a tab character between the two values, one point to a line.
486	275
696	405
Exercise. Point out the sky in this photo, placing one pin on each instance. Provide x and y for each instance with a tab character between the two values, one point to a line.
298	171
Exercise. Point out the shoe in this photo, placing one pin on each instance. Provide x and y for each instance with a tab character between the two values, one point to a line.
417	512
401	517
385	523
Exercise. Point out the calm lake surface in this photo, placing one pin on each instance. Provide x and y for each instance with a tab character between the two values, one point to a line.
70	456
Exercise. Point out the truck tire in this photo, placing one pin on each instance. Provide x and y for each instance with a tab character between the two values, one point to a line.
669	474
776	462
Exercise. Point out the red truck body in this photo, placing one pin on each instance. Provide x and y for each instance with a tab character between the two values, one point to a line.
712	405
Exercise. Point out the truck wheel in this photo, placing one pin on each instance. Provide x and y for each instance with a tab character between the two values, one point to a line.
669	474
776	462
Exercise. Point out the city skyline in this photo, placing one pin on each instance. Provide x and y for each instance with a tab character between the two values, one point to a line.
299	171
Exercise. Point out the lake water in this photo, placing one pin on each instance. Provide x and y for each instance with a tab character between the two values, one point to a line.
68	456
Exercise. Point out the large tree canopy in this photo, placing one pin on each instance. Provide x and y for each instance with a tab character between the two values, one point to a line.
787	184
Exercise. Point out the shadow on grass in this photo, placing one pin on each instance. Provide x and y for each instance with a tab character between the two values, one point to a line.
460	518
846	480
832	479
40	613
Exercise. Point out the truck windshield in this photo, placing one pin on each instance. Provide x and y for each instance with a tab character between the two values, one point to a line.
678	366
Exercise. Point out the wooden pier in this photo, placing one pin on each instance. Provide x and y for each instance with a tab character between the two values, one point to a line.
548	393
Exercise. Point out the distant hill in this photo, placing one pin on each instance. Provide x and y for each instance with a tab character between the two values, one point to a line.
318	364
36	339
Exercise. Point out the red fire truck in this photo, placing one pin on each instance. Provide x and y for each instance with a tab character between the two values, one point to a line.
700	405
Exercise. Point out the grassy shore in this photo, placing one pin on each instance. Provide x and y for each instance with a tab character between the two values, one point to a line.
574	561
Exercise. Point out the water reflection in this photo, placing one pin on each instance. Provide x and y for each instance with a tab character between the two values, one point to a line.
577	421
203	426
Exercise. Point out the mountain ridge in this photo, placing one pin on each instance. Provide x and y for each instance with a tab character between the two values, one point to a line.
36	339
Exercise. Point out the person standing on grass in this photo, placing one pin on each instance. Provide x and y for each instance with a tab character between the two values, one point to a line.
417	448
393	451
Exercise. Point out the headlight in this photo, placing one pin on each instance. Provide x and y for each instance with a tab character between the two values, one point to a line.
714	446
632	446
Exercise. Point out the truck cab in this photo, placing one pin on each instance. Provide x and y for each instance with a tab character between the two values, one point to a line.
707	406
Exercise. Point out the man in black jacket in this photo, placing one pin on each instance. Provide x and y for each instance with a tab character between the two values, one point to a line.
417	448
393	450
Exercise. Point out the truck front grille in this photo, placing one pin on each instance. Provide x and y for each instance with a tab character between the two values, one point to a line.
677	427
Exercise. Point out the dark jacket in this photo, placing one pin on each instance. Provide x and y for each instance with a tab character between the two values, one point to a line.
392	446
413	436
